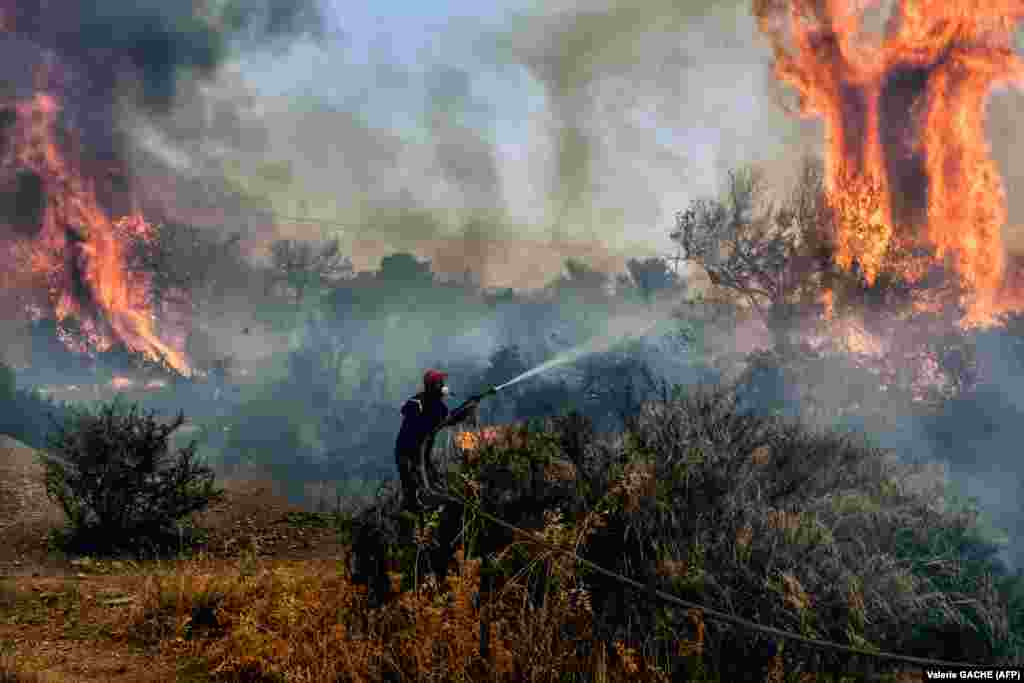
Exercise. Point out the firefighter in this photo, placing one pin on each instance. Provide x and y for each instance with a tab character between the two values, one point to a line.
423	415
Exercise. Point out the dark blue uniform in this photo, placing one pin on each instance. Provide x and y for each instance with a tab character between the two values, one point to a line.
422	414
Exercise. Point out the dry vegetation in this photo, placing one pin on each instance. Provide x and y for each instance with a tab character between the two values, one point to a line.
769	522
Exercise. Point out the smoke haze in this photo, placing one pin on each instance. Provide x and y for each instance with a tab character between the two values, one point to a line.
583	126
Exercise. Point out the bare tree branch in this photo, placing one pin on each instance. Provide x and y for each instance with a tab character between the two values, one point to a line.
305	265
770	255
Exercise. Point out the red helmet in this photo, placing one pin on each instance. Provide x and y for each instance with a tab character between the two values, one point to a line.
434	378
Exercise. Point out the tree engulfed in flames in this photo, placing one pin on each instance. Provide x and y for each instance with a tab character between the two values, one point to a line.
905	123
74	244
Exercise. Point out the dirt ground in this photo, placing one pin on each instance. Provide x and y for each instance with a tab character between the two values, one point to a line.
54	609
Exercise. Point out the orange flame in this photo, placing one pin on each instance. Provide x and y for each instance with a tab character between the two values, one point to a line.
906	152
473	440
77	246
467	441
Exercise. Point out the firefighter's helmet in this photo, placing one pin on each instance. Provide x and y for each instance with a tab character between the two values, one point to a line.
434	378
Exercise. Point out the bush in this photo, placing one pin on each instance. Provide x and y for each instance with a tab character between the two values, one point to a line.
120	485
807	530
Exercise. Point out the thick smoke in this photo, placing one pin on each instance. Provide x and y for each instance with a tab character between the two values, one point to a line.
138	68
466	159
589	126
572	53
578	124
648	103
159	44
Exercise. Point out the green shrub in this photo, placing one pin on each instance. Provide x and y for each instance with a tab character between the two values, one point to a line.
120	485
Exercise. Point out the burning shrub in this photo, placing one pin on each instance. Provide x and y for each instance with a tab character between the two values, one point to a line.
120	486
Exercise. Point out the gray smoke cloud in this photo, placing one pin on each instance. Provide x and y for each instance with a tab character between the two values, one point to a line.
589	125
132	77
649	103
159	43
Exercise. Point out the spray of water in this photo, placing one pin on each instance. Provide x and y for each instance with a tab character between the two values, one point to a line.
620	329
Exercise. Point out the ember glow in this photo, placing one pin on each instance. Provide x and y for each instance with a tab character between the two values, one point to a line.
906	154
471	440
121	383
73	245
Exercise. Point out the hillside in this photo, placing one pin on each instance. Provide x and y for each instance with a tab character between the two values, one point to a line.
25	512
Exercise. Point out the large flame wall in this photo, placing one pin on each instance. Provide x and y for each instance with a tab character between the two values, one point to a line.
74	246
906	149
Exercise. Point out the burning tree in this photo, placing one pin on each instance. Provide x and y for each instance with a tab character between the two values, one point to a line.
70	210
77	245
842	345
913	204
906	115
58	229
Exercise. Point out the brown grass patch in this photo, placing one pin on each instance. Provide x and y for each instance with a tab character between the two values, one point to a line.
64	629
307	621
253	519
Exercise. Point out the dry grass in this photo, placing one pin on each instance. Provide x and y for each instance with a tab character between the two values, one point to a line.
306	621
10	674
257	618
65	629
